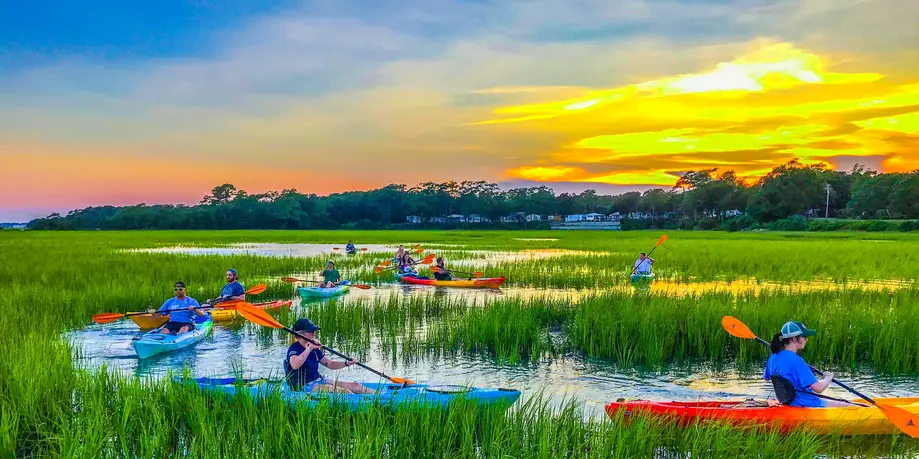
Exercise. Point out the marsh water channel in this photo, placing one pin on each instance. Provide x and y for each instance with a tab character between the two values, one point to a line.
242	348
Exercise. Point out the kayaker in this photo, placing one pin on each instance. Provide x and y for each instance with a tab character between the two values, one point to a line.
180	320
350	247
407	264
233	290
301	366
442	273
786	362
330	276
642	264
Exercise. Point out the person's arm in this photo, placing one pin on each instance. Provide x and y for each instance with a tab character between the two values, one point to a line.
822	383
194	306
333	365
159	312
297	360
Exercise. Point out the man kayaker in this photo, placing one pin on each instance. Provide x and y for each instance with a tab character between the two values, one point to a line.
642	264
179	309
350	247
330	276
442	273
786	362
301	366
233	290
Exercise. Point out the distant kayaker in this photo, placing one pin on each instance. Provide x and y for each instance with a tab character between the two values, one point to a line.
301	366
786	362
407	264
442	273
400	253
330	276
350	247
642	264
180	310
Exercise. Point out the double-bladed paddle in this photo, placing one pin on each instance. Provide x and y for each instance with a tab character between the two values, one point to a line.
106	317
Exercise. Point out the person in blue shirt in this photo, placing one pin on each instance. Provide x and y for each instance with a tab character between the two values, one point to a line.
181	310
350	247
642	264
233	290
786	362
301	366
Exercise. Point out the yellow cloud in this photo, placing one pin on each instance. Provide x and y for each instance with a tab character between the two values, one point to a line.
774	104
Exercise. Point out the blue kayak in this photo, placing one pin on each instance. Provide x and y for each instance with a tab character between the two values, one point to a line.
154	342
642	277
309	293
387	393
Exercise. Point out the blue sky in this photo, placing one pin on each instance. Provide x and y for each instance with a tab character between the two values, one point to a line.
100	100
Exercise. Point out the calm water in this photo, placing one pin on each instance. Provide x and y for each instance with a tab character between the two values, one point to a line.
238	346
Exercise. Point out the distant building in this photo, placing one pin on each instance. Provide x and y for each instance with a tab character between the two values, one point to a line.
413	219
574	218
594	217
456	218
533	218
476	218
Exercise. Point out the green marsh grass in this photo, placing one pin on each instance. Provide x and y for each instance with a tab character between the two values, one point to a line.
54	282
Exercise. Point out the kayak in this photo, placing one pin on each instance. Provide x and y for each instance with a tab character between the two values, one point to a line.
481	282
309	293
387	393
850	420
147	321
154	342
642	277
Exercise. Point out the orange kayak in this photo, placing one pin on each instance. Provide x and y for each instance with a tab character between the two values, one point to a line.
146	321
849	420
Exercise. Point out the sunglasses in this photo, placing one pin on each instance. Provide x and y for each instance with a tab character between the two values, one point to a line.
179	288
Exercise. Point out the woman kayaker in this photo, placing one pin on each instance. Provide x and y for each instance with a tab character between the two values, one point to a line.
786	362
407	265
330	276
179	309
301	366
441	273
400	253
642	264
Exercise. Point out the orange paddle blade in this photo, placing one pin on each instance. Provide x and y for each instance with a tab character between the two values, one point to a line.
402	381
904	420
477	274
416	246
291	279
107	317
386	263
419	250
363	249
361	286
256	315
334	248
379	269
737	328
257	289
662	239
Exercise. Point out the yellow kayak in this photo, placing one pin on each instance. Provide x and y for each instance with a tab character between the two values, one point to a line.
147	321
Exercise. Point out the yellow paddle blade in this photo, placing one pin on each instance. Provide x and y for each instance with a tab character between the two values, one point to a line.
662	239
904	420
737	328
107	317
258	316
291	280
257	289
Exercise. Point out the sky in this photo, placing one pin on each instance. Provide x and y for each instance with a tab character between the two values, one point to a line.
119	103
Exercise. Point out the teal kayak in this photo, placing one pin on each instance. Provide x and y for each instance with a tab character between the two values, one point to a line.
154	342
642	277
309	293
387	393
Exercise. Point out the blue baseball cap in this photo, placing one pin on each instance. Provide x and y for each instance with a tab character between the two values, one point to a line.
231	270
305	325
792	329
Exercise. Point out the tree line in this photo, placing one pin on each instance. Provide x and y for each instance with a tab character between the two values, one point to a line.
704	199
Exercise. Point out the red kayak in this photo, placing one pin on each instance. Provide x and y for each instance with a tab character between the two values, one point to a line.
481	282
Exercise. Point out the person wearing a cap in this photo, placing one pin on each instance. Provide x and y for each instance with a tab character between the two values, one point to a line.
301	366
179	309
233	290
786	362
330	276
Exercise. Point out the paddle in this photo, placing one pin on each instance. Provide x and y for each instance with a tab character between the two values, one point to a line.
363	249
904	420
660	242
292	280
425	261
474	274
106	317
262	318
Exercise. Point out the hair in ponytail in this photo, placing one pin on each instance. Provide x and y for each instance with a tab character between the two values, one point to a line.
778	343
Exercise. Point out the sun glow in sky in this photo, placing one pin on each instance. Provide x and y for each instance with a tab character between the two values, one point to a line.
122	104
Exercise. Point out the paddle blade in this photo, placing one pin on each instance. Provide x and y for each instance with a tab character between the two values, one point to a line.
363	249
291	280
477	274
661	240
257	289
386	263
256	315
335	248
904	420
361	286
416	246
405	381
378	269
107	317
419	250
435	269
737	328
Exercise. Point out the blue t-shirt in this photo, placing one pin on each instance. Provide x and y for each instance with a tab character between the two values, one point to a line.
232	289
307	372
349	247
793	368
183	315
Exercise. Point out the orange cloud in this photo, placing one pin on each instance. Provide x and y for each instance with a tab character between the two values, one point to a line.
755	112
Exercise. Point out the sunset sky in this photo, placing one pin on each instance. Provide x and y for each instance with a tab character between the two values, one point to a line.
111	102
